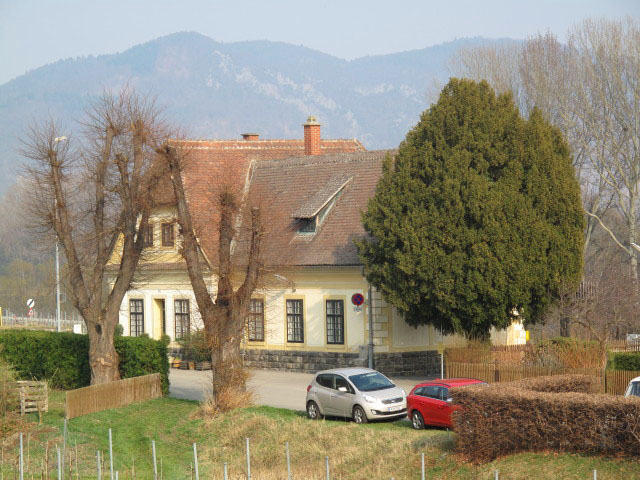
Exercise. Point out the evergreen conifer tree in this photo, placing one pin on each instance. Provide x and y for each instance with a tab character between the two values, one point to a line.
479	213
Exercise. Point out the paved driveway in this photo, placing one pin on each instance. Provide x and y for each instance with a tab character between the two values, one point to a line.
270	387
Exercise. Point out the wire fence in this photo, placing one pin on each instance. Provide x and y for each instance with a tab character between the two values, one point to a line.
43	321
66	463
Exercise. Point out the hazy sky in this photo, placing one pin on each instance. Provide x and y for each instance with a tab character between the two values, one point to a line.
36	32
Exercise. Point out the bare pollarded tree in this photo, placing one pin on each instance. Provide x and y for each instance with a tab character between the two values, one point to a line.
94	196
238	271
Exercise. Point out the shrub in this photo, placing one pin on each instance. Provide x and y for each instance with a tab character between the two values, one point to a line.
63	358
195	347
561	352
8	398
525	416
559	384
118	330
141	356
625	361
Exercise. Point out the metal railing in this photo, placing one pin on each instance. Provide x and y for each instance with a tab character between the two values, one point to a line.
40	321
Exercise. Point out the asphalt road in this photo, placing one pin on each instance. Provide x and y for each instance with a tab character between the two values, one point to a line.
270	387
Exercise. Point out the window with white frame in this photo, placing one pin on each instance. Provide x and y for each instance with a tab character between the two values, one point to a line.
295	321
255	320
335	322
181	317
136	317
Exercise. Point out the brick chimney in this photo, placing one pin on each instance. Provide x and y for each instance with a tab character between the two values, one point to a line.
250	137
312	137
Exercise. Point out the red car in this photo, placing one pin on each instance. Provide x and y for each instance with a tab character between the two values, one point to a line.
429	403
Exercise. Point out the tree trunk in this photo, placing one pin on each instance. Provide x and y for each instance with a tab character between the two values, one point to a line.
103	358
564	327
227	368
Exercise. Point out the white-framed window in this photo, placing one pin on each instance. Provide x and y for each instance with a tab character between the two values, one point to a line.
255	320
136	317
182	318
295	321
335	322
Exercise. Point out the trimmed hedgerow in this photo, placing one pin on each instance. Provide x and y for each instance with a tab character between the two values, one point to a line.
506	418
63	358
560	384
625	361
141	356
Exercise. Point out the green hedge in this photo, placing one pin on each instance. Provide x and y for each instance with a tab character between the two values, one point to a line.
63	358
624	361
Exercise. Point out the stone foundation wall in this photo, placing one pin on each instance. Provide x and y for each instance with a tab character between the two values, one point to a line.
420	363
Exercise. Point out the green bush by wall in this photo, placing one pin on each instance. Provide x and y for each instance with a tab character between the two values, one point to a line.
624	361
63	358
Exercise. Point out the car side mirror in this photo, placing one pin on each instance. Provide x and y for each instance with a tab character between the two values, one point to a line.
343	389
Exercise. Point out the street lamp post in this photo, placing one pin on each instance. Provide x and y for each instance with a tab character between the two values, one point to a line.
58	326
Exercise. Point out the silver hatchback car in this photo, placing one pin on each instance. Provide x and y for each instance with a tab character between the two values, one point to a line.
359	393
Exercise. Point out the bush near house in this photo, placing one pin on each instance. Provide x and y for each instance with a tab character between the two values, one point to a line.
559	413
625	361
63	358
194	347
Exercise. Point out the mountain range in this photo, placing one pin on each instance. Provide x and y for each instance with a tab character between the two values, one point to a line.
219	90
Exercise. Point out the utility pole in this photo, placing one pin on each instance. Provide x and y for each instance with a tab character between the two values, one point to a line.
370	327
58	326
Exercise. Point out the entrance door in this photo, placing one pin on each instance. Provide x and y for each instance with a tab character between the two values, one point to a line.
159	320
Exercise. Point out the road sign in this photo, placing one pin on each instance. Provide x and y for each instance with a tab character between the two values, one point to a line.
357	299
30	303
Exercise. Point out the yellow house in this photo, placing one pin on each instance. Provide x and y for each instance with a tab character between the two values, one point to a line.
313	309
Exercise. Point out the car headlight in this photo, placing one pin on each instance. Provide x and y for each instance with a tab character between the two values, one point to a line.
369	398
403	392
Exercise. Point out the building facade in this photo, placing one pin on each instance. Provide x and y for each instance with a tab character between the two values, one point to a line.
312	309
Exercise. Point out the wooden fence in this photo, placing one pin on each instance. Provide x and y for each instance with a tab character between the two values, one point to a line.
613	381
112	395
33	396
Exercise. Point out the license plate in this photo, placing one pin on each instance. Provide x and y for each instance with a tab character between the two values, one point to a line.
395	409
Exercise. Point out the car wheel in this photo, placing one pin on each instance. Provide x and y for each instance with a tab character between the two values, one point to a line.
313	411
416	420
358	415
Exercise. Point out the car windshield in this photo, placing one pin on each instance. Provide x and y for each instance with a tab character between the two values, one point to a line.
633	390
368	382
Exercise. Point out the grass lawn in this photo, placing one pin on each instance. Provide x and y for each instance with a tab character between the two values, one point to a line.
377	451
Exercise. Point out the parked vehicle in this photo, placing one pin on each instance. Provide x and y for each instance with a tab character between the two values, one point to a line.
429	403
359	393
633	390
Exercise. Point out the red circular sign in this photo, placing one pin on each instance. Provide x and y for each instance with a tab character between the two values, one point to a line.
357	299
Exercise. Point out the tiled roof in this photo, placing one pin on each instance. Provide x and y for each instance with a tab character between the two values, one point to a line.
212	166
282	187
322	196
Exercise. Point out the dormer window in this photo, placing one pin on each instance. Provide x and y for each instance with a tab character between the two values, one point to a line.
311	215
307	225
